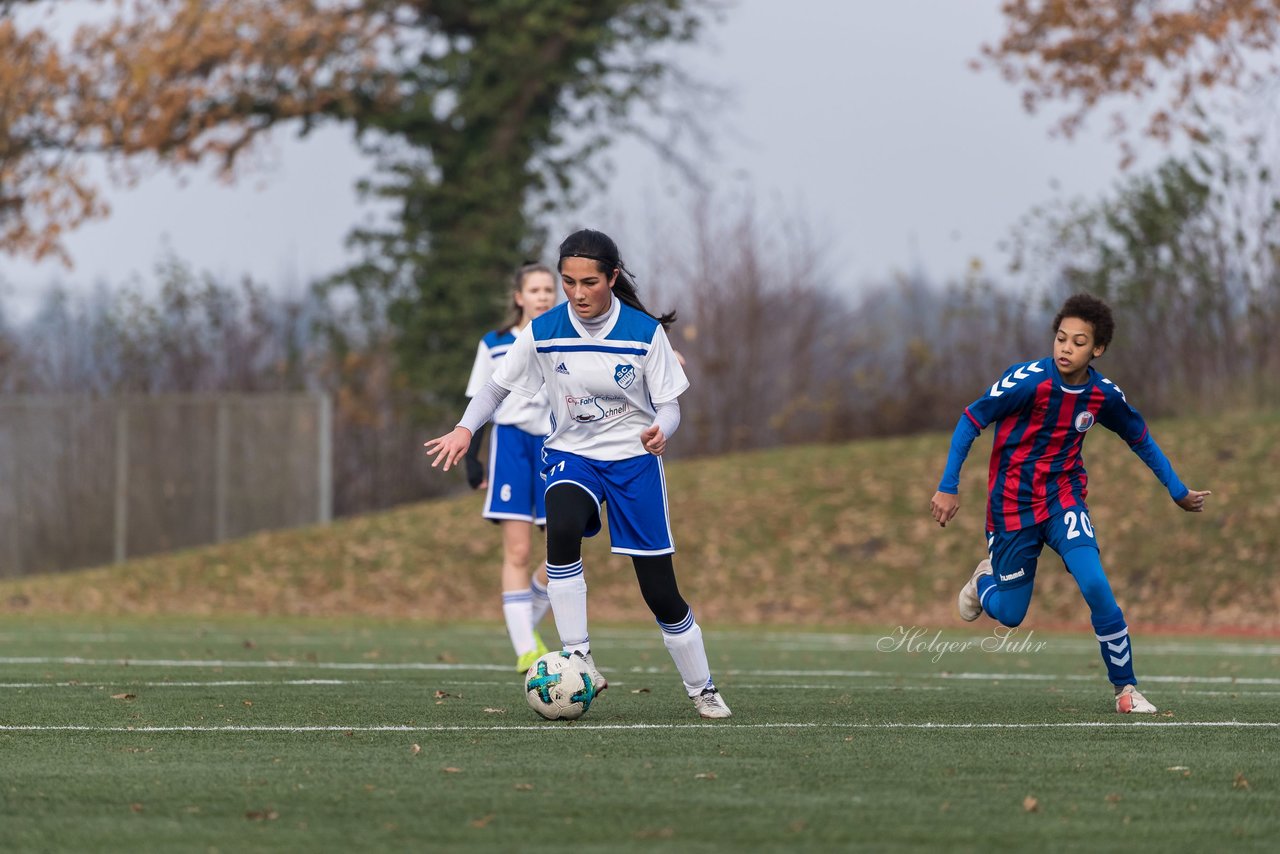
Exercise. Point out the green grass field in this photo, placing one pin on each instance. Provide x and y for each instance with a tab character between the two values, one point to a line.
324	735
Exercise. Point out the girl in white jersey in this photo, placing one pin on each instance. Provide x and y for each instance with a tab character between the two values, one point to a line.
613	381
514	498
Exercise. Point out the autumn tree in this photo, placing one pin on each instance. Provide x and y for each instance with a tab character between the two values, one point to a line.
483	115
1172	55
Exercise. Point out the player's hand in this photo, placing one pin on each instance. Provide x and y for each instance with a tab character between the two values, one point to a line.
448	449
653	440
944	506
1193	501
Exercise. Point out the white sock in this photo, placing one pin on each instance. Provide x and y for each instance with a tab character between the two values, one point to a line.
690	655
515	607
567	590
540	600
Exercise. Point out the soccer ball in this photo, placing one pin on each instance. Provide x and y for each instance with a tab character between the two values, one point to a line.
559	687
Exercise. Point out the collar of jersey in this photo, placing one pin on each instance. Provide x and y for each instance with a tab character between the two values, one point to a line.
614	310
1066	386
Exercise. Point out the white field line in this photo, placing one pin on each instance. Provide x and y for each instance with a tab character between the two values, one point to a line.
273	664
227	683
675	726
431	666
736	686
645	639
260	683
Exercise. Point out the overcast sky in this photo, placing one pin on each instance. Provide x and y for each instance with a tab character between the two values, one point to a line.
862	116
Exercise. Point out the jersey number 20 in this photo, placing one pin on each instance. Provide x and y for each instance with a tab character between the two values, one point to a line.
1085	524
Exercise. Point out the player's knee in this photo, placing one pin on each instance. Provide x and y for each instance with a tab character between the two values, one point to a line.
562	531
1010	611
517	555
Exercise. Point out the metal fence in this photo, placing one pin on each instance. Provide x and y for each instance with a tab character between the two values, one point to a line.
88	481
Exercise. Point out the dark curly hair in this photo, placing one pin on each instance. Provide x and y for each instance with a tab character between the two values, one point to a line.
1091	310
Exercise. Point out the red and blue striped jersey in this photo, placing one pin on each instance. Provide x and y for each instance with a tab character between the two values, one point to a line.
1037	470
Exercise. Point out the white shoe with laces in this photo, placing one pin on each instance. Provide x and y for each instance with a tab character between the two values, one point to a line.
710	704
597	677
967	602
1129	702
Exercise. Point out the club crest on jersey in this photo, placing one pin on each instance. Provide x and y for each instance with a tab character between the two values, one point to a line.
624	375
1084	421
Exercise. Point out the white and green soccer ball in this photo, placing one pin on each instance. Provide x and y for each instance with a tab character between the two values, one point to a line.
559	686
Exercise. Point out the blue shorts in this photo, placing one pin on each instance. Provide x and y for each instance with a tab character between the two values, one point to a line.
635	491
515	487
1014	553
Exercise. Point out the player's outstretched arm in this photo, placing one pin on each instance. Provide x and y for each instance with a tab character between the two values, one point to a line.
1193	501
448	449
944	506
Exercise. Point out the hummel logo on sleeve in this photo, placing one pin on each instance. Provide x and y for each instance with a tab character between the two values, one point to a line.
561	369
999	387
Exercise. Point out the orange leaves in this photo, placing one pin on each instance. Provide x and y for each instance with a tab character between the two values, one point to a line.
177	81
42	190
1083	52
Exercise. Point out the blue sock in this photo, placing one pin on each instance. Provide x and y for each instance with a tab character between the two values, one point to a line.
1109	626
1113	642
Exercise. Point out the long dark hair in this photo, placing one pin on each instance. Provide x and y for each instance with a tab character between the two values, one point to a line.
523	272
599	247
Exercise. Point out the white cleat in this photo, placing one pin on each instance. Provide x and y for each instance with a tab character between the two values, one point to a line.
596	676
710	704
1129	702
968	602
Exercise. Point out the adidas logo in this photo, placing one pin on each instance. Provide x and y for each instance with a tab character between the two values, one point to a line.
561	369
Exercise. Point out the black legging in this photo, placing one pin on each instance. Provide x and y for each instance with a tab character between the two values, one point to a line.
570	509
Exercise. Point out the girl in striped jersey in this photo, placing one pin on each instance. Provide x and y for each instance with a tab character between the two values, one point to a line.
1037	483
514	496
614	383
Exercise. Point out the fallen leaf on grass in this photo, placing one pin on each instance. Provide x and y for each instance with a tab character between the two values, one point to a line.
248	702
1030	804
639	690
415	749
1113	798
709	775
136	807
495	711
482	821
124	696
452	770
262	815
1239	782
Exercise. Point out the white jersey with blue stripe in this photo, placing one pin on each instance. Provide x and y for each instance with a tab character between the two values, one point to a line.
602	389
532	415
